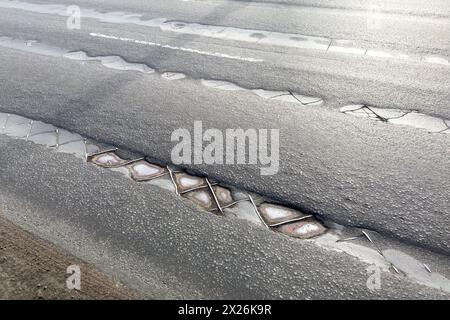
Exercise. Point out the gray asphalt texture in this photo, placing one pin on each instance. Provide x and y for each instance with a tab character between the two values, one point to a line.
414	30
340	79
201	254
378	176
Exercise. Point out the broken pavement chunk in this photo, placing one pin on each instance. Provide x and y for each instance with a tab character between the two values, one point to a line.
143	171
305	229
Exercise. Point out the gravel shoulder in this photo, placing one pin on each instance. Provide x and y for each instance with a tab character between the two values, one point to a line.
31	268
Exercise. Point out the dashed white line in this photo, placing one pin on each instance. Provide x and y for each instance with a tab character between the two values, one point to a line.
166	46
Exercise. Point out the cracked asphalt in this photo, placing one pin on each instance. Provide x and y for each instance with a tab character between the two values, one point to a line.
102	217
351	171
387	177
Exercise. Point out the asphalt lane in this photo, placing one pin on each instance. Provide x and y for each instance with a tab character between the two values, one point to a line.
387	178
415	27
340	79
184	252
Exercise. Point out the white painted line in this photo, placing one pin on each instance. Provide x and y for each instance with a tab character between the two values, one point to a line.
166	46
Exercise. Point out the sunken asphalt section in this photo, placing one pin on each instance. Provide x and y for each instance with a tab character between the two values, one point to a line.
387	178
166	247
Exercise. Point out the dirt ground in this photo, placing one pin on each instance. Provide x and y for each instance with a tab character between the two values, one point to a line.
31	268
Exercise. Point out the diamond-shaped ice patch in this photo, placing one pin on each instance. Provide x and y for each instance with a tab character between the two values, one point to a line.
143	170
186	182
274	214
223	195
108	160
202	198
303	229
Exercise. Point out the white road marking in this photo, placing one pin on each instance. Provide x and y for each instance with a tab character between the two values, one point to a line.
166	46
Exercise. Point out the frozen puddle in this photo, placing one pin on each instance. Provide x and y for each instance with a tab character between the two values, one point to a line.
118	63
400	117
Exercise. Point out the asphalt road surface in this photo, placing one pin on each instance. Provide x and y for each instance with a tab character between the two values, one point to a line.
378	175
